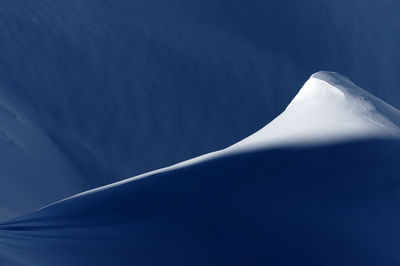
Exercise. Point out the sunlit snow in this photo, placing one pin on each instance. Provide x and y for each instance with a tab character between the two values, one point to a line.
328	108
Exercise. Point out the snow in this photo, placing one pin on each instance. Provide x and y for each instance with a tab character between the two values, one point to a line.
118	88
33	171
328	108
92	92
323	205
254	201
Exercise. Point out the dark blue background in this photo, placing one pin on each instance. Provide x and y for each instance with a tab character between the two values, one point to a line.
125	86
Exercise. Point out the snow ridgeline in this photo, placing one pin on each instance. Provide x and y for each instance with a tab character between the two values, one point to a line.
114	103
252	203
329	108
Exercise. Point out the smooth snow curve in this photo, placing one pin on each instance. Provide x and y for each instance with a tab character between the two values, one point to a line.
246	207
34	172
322	205
328	108
111	94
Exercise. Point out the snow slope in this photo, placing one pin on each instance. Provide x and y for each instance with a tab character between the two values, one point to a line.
324	205
258	202
118	88
33	171
329	107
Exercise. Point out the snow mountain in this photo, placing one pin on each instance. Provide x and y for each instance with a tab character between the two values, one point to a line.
292	188
93	92
329	107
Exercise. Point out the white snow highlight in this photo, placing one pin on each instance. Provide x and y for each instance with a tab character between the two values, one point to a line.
328	108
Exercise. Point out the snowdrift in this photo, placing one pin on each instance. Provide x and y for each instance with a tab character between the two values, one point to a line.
293	193
326	205
328	108
33	171
106	90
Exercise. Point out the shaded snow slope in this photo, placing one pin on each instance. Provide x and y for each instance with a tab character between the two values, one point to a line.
122	87
252	203
33	171
325	205
329	107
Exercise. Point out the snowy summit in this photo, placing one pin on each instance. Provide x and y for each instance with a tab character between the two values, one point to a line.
329	107
324	204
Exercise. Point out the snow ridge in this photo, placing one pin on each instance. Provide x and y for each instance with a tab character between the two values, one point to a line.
328	108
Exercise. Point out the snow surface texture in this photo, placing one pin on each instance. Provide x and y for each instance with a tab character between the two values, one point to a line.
325	205
33	171
255	202
117	88
328	108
